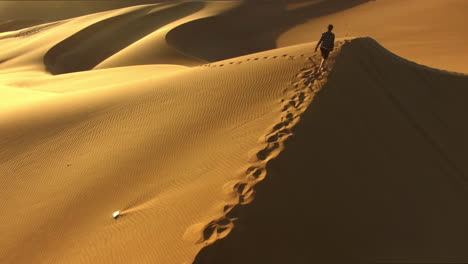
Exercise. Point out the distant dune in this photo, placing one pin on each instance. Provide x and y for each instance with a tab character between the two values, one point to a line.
19	14
430	32
207	126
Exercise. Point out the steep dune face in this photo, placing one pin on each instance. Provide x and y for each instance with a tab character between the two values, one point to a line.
375	172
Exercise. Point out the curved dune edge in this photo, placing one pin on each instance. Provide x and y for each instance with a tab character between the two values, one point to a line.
296	100
144	51
103	39
26	48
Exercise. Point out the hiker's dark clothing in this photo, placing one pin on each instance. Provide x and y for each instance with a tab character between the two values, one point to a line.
325	53
328	41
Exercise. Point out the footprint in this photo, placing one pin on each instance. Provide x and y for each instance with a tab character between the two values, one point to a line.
209	231
241	188
309	82
217	230
273	138
278	126
248	197
267	151
254	173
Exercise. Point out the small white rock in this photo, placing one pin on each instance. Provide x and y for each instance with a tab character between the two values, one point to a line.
116	214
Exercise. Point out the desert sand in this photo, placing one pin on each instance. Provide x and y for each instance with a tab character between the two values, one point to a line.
208	128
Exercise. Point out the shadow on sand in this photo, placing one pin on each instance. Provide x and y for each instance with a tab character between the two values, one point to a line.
92	45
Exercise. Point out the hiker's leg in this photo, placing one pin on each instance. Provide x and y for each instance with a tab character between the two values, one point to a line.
323	63
324	58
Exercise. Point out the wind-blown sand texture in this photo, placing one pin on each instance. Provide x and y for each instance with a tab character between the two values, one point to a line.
208	126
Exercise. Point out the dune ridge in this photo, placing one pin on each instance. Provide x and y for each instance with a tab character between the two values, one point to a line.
241	191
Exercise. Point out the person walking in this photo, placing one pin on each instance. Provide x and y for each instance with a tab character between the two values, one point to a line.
327	44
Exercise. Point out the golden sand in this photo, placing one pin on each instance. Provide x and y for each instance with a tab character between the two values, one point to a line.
202	132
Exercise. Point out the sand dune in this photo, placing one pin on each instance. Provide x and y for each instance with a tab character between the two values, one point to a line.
112	35
208	127
375	172
15	15
155	47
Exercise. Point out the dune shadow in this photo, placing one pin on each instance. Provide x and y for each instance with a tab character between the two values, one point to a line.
92	45
11	25
253	27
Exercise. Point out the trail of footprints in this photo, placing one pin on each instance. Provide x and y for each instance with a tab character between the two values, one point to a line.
307	83
284	56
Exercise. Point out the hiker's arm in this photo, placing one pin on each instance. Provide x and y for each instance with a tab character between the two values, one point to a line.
318	44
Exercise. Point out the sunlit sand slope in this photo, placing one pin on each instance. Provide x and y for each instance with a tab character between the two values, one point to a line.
174	152
376	172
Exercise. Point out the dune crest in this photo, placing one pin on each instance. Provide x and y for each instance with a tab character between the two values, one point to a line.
305	86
